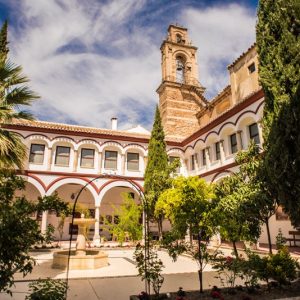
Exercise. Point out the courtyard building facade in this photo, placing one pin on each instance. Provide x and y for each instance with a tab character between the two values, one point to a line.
205	134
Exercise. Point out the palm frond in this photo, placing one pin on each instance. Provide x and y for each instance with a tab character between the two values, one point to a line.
11	74
23	114
12	150
20	95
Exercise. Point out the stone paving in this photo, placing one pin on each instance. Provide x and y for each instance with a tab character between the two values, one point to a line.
118	280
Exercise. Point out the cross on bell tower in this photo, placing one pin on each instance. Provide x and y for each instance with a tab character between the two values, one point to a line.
180	93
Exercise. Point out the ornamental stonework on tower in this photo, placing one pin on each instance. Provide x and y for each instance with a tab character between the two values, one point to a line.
180	93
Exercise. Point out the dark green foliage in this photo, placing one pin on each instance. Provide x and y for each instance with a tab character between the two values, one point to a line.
234	197
3	42
18	230
282	158
47	289
158	170
280	267
278	44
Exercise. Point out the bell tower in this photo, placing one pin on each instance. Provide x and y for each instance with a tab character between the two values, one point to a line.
180	93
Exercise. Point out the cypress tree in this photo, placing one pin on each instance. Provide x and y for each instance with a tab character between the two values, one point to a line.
277	35
278	45
157	170
3	42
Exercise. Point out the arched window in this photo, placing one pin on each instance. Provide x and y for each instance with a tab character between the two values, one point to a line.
178	38
179	69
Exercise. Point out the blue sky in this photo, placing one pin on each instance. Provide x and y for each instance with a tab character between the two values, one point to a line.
94	59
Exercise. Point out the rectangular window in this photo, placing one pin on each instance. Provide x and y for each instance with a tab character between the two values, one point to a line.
203	158
171	159
233	143
251	68
111	158
116	219
87	158
254	134
218	152
132	161
37	153
193	162
62	156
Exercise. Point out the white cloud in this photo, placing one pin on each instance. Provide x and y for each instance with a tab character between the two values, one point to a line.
221	34
116	71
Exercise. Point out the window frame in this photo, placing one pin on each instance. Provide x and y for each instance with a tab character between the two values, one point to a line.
56	155
217	151
110	159
87	158
204	163
135	161
32	155
251	68
256	136
193	162
235	145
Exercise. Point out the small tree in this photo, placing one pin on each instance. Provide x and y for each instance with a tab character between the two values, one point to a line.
188	206
158	171
234	202
18	230
129	214
262	202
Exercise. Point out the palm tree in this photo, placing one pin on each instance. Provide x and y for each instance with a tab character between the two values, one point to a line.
13	96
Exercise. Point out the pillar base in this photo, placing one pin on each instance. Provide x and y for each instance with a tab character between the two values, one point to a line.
96	241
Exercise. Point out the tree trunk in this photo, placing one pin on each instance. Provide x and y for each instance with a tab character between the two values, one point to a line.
235	250
269	235
200	273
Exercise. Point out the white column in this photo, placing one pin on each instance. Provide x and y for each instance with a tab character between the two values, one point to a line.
222	152
260	132
239	140
207	157
123	162
96	238
49	162
44	222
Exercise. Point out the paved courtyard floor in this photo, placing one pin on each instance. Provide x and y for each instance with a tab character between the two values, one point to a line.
118	280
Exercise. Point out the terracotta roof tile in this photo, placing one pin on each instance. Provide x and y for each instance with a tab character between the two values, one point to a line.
241	56
81	129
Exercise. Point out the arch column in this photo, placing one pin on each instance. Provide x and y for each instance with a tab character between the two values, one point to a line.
222	152
207	158
96	238
239	140
44	224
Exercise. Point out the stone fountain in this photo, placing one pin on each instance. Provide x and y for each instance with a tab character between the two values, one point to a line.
81	258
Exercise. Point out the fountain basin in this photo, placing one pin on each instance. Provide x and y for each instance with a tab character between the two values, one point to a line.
92	259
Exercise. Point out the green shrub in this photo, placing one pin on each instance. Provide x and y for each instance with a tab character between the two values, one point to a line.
47	289
280	267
